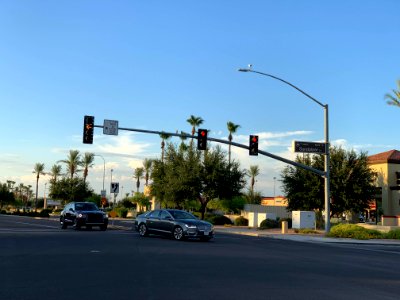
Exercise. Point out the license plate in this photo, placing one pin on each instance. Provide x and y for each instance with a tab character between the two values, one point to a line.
206	232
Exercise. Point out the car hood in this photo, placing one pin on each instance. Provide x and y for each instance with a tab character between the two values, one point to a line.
90	212
194	222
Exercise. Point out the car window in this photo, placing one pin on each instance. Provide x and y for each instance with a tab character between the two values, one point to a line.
154	214
179	214
164	215
86	206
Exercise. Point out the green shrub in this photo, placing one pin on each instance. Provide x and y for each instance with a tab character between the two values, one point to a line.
354	231
218	220
241	221
268	224
393	234
122	212
3	212
45	213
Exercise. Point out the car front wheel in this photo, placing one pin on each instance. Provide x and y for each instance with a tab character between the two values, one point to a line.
62	223
142	229
76	226
178	233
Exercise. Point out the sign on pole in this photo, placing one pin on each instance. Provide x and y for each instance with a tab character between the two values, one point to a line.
110	127
114	187
309	147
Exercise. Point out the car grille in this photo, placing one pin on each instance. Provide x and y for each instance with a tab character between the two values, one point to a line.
94	218
203	227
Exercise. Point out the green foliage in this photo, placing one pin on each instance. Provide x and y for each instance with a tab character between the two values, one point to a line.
241	221
141	199
122	212
185	175
354	231
127	203
268	224
94	198
352	182
6	196
67	189
218	220
393	234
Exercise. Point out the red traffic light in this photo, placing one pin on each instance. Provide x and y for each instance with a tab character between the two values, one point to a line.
203	133
254	139
253	145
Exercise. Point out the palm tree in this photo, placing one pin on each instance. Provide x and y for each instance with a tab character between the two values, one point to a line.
86	163
39	170
55	172
253	173
138	174
394	99
147	163
164	136
195	122
232	129
72	162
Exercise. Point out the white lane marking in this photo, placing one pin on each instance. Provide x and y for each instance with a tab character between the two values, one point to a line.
38	225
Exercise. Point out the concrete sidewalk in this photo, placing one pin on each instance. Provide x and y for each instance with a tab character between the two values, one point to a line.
292	236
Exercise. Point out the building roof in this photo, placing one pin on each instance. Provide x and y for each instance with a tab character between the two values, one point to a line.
391	157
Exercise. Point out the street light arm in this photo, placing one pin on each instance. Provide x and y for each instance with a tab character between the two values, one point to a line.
284	81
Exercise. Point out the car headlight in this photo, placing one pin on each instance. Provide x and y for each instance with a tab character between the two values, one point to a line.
105	216
190	226
81	216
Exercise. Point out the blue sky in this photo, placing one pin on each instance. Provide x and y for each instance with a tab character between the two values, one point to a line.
152	64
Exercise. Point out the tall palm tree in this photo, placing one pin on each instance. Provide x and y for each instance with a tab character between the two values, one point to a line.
87	162
138	174
195	122
253	173
232	128
39	170
72	162
147	163
55	172
164	136
395	98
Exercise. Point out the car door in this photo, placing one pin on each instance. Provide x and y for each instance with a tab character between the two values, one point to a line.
166	222
152	221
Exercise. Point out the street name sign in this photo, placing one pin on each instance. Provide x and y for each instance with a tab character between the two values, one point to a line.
110	127
309	147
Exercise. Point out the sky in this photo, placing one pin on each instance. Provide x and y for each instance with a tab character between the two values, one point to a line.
152	64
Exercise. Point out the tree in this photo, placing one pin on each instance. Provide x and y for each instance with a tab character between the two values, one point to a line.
164	136
184	176
138	174
254	171
232	128
147	163
86	163
55	172
38	170
395	98
70	189
195	122
72	162
352	183
6	195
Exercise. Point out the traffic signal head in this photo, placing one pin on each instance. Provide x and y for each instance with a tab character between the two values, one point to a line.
253	145
201	139
88	128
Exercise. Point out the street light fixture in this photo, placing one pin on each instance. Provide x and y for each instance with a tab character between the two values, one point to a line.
327	156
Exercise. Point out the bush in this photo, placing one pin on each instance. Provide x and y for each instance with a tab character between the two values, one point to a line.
122	212
45	213
268	224
218	220
241	221
393	234
306	231
354	232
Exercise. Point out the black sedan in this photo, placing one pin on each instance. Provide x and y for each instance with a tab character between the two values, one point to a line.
177	223
80	214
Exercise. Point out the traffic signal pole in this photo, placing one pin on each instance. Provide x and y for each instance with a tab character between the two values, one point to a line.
265	153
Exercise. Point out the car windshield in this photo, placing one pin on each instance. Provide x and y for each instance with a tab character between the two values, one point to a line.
178	214
85	206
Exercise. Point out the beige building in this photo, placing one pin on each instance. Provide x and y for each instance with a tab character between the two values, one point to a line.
387	165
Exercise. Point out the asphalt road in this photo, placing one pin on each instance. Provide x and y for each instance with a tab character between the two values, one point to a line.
40	261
